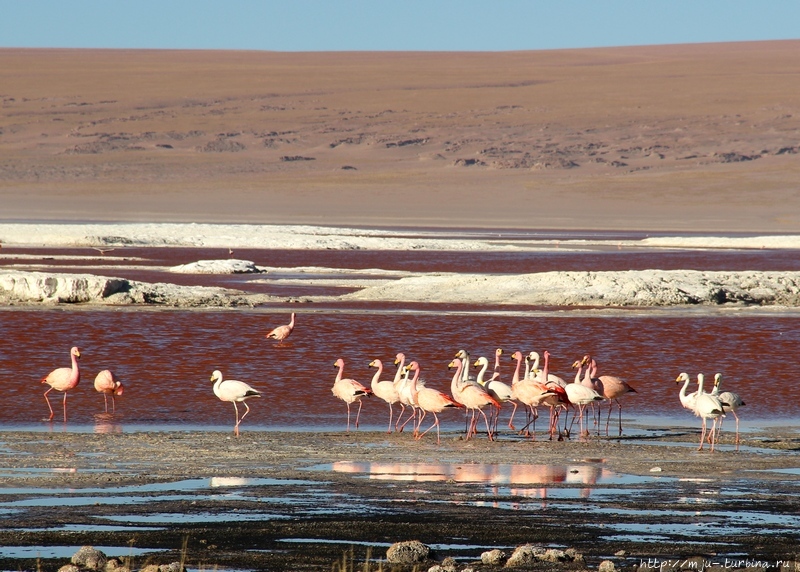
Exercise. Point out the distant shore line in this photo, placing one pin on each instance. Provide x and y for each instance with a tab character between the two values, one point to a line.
204	235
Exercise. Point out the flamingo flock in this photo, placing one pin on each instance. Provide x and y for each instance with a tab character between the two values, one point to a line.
476	395
530	387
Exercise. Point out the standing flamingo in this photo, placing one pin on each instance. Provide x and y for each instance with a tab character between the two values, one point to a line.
234	391
707	407
730	400
108	385
473	397
63	379
282	332
349	391
612	388
429	400
496	388
400	384
385	389
579	395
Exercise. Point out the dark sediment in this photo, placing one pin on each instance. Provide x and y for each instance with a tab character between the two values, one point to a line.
298	508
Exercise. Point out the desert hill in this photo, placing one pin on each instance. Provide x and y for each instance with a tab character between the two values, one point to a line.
688	137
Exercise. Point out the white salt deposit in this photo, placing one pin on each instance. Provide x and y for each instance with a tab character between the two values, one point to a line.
647	288
320	238
231	266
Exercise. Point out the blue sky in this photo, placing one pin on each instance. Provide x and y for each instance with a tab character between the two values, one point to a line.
427	25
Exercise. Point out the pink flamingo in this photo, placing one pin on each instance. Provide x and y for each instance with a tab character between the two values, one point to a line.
349	391
532	392
235	392
385	389
63	379
108	385
282	332
473	397
612	388
429	400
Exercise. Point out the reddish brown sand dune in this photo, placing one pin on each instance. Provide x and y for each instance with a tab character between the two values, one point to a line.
701	137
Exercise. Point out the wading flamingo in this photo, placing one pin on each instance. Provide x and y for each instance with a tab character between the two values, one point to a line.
282	332
108	385
63	379
406	396
579	395
707	407
384	389
730	400
496	388
474	398
429	400
235	392
349	391
610	387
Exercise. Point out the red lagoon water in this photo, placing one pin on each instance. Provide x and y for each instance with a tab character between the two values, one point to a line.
165	360
165	357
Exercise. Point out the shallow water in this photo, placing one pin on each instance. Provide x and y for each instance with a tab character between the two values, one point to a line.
165	357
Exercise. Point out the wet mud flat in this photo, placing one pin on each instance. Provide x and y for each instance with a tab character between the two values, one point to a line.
307	500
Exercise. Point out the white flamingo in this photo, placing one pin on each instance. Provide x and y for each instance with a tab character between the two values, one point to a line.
707	407
496	388
235	392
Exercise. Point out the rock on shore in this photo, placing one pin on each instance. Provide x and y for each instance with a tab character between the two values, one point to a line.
52	289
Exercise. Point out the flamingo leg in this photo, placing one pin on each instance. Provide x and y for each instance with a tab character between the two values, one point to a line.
358	414
399	416
105	401
410	417
488	429
246	411
65	407
390	419
419	424
50	407
510	421
702	435
236	414
435	424
348	418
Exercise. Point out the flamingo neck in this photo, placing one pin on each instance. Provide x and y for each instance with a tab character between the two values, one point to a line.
456	377
700	380
482	372
377	375
578	374
400	367
546	368
515	377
